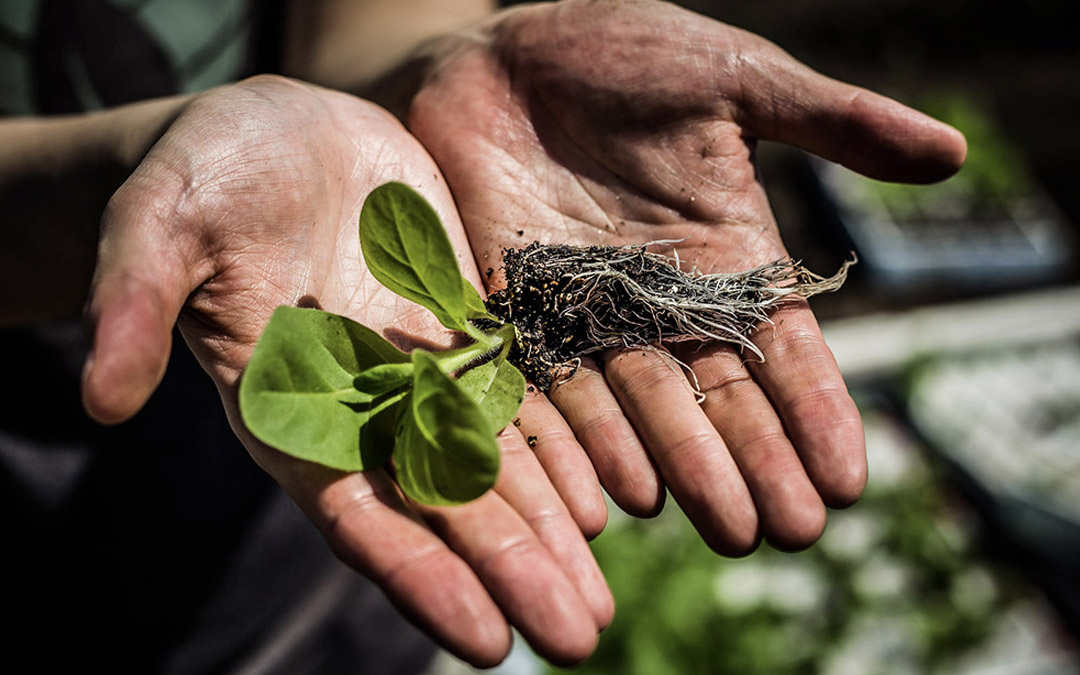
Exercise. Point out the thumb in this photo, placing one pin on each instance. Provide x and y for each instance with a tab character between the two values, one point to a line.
784	100
140	285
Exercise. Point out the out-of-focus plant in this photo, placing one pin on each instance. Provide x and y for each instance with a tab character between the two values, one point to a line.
896	585
994	172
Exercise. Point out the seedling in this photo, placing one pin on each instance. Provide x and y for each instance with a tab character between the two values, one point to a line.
326	389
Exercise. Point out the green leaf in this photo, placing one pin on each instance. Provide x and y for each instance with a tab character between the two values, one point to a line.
407	250
474	305
298	393
384	378
497	387
445	452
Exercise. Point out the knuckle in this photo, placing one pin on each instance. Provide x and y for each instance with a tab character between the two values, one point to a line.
692	443
600	423
515	552
725	383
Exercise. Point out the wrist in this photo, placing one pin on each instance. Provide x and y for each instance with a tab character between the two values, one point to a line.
127	133
380	50
56	176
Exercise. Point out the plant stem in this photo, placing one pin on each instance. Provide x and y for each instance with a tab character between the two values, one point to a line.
487	343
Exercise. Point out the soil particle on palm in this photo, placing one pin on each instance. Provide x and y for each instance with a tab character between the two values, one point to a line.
570	301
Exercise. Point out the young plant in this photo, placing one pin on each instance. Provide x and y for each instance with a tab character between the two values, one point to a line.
326	389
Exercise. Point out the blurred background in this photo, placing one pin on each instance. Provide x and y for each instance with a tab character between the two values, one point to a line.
959	336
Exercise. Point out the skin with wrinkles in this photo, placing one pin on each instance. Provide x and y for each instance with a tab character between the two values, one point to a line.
616	123
251	200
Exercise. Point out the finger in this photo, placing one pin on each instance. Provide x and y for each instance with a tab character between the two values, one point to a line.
521	576
525	487
780	99
370	529
140	285
565	462
801	379
621	461
692	458
791	512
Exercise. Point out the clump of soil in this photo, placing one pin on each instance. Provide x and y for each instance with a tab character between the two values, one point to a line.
569	301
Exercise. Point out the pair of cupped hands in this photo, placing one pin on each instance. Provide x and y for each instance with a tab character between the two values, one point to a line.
581	122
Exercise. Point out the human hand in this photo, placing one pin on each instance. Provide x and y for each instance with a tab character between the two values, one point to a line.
627	122
250	200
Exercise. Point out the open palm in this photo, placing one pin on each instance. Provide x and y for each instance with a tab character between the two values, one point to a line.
251	200
628	122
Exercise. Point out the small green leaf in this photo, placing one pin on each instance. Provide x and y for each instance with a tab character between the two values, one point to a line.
445	452
406	248
298	393
474	305
497	387
384	378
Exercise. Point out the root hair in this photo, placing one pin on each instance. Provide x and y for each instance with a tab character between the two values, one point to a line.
569	301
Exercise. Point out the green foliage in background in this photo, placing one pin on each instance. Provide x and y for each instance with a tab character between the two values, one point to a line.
896	585
994	172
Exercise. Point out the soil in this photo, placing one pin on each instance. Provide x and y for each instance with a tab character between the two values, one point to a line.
570	301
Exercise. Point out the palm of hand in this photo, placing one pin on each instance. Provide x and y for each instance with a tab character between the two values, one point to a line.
621	123
274	214
554	128
251	200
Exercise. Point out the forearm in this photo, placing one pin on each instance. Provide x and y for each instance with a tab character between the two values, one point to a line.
362	46
56	175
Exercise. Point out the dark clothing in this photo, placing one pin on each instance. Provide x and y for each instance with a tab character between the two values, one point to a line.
156	545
